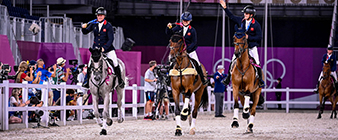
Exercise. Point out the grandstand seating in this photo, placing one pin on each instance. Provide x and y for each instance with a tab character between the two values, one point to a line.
18	11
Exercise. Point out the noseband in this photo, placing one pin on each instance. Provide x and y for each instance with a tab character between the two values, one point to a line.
241	46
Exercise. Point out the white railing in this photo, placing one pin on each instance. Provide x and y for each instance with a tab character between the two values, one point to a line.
5	87
230	101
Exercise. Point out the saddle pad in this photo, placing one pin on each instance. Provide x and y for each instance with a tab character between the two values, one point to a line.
187	71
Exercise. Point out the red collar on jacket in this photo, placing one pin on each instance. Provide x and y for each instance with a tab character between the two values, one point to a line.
105	22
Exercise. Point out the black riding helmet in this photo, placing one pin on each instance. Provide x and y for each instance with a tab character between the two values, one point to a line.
249	9
100	11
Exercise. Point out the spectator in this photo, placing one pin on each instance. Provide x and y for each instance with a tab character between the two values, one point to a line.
279	94
80	79
81	76
60	76
71	99
15	117
219	91
149	89
43	76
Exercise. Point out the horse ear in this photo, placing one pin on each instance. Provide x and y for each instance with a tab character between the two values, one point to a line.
91	49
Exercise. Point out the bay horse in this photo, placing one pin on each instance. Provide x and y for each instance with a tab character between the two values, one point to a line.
102	81
326	90
244	83
184	79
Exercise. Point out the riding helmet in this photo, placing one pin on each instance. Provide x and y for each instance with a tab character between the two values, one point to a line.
249	9
187	16
329	47
100	11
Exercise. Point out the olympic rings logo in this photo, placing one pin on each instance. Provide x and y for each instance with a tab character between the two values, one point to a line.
269	77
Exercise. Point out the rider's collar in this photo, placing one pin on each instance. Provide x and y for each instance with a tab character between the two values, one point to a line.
101	21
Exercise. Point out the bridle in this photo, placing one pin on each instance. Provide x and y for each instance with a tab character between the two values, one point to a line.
241	46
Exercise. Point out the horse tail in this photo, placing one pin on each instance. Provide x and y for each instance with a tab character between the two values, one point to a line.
204	99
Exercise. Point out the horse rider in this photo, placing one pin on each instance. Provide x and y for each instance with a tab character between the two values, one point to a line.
190	38
103	38
331	58
253	35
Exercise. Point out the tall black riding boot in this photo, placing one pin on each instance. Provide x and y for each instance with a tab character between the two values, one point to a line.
117	73
261	82
317	87
86	80
227	80
200	72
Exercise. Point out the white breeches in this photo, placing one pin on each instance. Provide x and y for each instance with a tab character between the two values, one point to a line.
194	56
253	53
111	55
333	73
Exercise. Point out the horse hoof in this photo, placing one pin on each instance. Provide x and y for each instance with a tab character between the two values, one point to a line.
319	117
109	123
245	115
235	124
103	132
249	129
178	132
192	131
184	117
120	120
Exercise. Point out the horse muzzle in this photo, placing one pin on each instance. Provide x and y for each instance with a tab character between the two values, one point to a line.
97	78
237	54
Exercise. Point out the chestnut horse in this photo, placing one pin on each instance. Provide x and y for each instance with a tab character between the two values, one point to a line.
327	91
184	79
244	83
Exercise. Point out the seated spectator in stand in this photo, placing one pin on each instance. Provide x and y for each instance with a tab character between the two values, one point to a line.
60	76
71	99
43	76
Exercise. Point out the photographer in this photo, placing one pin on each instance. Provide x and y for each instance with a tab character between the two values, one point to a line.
71	99
162	90
149	88
60	76
43	76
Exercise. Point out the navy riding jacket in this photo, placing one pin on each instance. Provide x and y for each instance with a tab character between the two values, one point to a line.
332	60
254	30
190	37
103	38
219	86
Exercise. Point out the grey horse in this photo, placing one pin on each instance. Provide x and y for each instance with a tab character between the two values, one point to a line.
103	81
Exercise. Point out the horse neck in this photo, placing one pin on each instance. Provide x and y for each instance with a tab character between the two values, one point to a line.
244	60
182	61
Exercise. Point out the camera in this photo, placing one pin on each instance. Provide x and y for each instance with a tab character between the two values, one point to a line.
5	69
74	70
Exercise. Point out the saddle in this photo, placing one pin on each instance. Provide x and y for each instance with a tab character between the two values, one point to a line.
253	63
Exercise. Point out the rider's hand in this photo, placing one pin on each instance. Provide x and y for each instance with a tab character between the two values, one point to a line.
169	25
223	4
84	25
102	49
217	77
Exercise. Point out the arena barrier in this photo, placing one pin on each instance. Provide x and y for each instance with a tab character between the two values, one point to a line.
5	89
